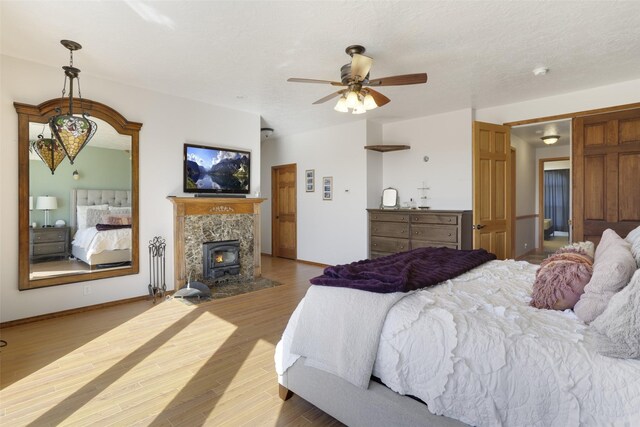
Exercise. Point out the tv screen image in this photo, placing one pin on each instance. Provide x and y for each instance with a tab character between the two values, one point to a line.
216	170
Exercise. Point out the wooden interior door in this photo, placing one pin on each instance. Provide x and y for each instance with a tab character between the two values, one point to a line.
492	207
606	174
283	212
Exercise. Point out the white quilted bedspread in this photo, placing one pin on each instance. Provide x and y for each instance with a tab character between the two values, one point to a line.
474	350
95	242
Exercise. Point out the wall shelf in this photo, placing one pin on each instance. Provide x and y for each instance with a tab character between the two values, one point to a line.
386	148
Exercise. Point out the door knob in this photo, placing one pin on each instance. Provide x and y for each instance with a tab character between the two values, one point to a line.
478	226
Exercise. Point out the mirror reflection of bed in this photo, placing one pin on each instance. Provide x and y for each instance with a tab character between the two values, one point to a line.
100	234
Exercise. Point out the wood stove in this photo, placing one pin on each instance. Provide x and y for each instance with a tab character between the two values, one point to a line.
220	258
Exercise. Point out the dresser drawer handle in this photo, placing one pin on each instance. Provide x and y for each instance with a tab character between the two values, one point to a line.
449	220
449	234
401	246
375	244
401	218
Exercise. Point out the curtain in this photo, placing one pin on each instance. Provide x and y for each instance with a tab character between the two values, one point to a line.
556	198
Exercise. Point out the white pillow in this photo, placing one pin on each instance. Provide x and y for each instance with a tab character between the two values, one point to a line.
634	240
619	324
82	214
120	209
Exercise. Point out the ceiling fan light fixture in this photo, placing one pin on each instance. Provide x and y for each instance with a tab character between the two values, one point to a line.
341	105
359	109
369	102
550	139
352	99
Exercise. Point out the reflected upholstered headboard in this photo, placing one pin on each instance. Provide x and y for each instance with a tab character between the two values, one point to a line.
81	197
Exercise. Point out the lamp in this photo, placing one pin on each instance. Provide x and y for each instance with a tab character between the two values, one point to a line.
352	99
72	132
46	203
76	175
369	102
341	106
49	150
550	139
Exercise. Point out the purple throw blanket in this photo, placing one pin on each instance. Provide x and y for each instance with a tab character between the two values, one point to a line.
103	227
404	271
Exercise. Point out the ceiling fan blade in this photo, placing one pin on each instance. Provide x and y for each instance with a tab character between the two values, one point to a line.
406	79
297	80
328	97
360	66
379	98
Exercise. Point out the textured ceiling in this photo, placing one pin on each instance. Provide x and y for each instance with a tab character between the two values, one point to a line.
533	133
239	54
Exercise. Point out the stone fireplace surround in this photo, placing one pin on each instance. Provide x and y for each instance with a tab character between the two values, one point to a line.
203	219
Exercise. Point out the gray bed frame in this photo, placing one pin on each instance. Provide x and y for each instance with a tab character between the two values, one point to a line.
81	197
376	406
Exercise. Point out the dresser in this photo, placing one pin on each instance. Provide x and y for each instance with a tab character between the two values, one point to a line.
48	242
399	230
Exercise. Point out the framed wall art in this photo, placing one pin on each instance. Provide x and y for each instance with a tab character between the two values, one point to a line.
327	188
310	180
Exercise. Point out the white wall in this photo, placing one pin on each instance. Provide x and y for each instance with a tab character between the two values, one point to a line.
167	123
560	164
446	139
374	165
525	186
329	231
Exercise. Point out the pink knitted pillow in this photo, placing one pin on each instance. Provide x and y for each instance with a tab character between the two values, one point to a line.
561	279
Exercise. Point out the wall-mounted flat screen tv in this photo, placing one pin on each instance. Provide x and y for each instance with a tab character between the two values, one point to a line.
216	170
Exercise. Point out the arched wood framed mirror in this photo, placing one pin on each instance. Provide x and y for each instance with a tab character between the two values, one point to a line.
99	191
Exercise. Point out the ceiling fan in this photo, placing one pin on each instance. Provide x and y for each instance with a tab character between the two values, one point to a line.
354	76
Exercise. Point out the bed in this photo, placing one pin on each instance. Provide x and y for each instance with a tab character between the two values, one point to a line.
548	228
103	248
469	350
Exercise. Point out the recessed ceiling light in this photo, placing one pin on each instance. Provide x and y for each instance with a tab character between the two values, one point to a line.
540	71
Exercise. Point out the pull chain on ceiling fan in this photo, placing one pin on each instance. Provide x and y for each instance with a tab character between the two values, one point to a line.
358	96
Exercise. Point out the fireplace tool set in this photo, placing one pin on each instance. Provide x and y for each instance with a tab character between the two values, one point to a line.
157	284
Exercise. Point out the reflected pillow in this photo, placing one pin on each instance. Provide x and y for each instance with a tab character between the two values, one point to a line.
94	216
120	209
116	219
81	214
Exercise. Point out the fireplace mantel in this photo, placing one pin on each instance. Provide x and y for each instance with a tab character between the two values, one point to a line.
188	206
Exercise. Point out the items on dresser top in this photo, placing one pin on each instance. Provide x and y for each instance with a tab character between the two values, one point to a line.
405	229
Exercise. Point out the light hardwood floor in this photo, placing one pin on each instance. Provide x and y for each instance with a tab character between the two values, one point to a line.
167	364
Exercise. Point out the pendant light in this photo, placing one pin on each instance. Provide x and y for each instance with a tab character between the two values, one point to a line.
71	132
49	150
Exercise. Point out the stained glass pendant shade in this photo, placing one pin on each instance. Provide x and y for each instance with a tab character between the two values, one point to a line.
72	132
49	150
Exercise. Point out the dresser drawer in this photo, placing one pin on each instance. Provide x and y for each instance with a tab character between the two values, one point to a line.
434	219
386	244
427	244
49	235
390	229
434	233
50	249
391	216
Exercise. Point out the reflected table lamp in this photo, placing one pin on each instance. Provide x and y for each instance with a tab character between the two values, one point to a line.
46	203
